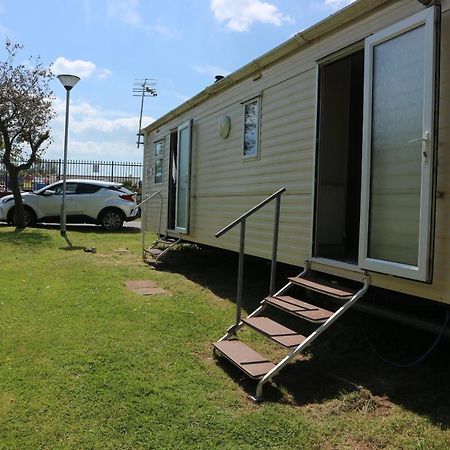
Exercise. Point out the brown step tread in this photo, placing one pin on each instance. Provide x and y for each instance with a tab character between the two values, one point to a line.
155	252
167	241
299	308
275	331
242	356
324	287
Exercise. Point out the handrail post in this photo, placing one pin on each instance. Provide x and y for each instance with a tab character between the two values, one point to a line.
240	273
143	229
276	227
160	214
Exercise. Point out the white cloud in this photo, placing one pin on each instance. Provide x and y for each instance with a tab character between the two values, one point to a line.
96	133
103	73
84	69
107	125
85	117
127	12
111	150
336	4
239	15
165	31
118	149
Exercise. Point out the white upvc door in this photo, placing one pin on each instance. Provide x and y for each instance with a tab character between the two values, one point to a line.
398	137
183	178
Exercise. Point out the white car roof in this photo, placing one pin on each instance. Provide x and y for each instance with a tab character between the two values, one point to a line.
97	182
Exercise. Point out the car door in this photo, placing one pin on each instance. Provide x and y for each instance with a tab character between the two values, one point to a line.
50	205
87	200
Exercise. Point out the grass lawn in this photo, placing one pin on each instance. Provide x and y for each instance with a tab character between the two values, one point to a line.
87	364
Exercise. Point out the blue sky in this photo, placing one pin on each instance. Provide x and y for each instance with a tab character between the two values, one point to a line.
181	44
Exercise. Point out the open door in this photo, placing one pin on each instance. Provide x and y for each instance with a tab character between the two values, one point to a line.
172	186
183	183
397	169
338	158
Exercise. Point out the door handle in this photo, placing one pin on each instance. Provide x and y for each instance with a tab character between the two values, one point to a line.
425	139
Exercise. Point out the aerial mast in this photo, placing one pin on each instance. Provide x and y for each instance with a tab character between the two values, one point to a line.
143	88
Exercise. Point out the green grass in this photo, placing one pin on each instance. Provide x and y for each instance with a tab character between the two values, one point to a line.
85	363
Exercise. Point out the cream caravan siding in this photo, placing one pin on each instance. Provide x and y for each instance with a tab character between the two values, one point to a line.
224	185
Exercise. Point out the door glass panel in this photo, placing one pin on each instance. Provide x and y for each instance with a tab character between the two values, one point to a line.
183	179
396	163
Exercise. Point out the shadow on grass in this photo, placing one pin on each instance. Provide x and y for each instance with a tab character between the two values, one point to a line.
352	356
91	229
70	246
20	237
217	270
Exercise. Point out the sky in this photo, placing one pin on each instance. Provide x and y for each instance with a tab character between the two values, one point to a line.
109	44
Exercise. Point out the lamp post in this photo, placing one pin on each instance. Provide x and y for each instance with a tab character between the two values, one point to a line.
68	81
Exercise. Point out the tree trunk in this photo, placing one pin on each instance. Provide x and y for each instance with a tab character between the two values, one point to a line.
19	216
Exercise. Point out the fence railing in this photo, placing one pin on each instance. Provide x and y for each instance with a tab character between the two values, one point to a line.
48	171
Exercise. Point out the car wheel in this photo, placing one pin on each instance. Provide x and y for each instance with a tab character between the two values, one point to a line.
111	220
29	216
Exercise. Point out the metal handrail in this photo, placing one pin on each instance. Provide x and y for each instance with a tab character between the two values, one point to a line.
149	198
249	212
242	221
143	223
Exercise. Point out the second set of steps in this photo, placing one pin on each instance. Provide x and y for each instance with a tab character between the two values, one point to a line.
161	246
261	368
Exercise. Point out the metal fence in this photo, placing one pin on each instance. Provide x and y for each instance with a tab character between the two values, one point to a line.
47	171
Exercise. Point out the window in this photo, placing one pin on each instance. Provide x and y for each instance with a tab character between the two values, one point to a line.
70	188
84	188
158	168
251	129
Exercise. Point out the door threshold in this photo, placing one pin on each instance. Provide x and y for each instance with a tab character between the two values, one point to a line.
338	264
173	233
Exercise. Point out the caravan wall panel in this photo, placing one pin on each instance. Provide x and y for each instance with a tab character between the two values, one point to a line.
223	185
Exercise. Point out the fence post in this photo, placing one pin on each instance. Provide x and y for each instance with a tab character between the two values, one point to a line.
59	169
112	171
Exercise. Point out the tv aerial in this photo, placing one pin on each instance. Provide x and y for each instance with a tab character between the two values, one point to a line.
144	87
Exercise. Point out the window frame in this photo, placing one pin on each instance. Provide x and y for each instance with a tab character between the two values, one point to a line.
158	158
256	155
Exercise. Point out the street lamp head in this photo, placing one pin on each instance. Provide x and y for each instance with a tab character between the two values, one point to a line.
68	81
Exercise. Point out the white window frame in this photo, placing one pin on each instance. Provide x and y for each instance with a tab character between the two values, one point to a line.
258	128
158	157
422	270
184	229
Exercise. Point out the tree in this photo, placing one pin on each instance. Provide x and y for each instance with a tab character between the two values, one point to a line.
25	113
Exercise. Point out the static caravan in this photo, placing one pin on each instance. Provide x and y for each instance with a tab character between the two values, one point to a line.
352	118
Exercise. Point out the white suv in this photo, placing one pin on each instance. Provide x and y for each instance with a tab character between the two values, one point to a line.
87	201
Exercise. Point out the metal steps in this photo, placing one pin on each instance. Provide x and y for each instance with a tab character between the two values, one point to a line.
161	246
261	368
275	331
242	356
323	287
299	308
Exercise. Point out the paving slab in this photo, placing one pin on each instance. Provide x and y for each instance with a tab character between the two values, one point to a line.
144	287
